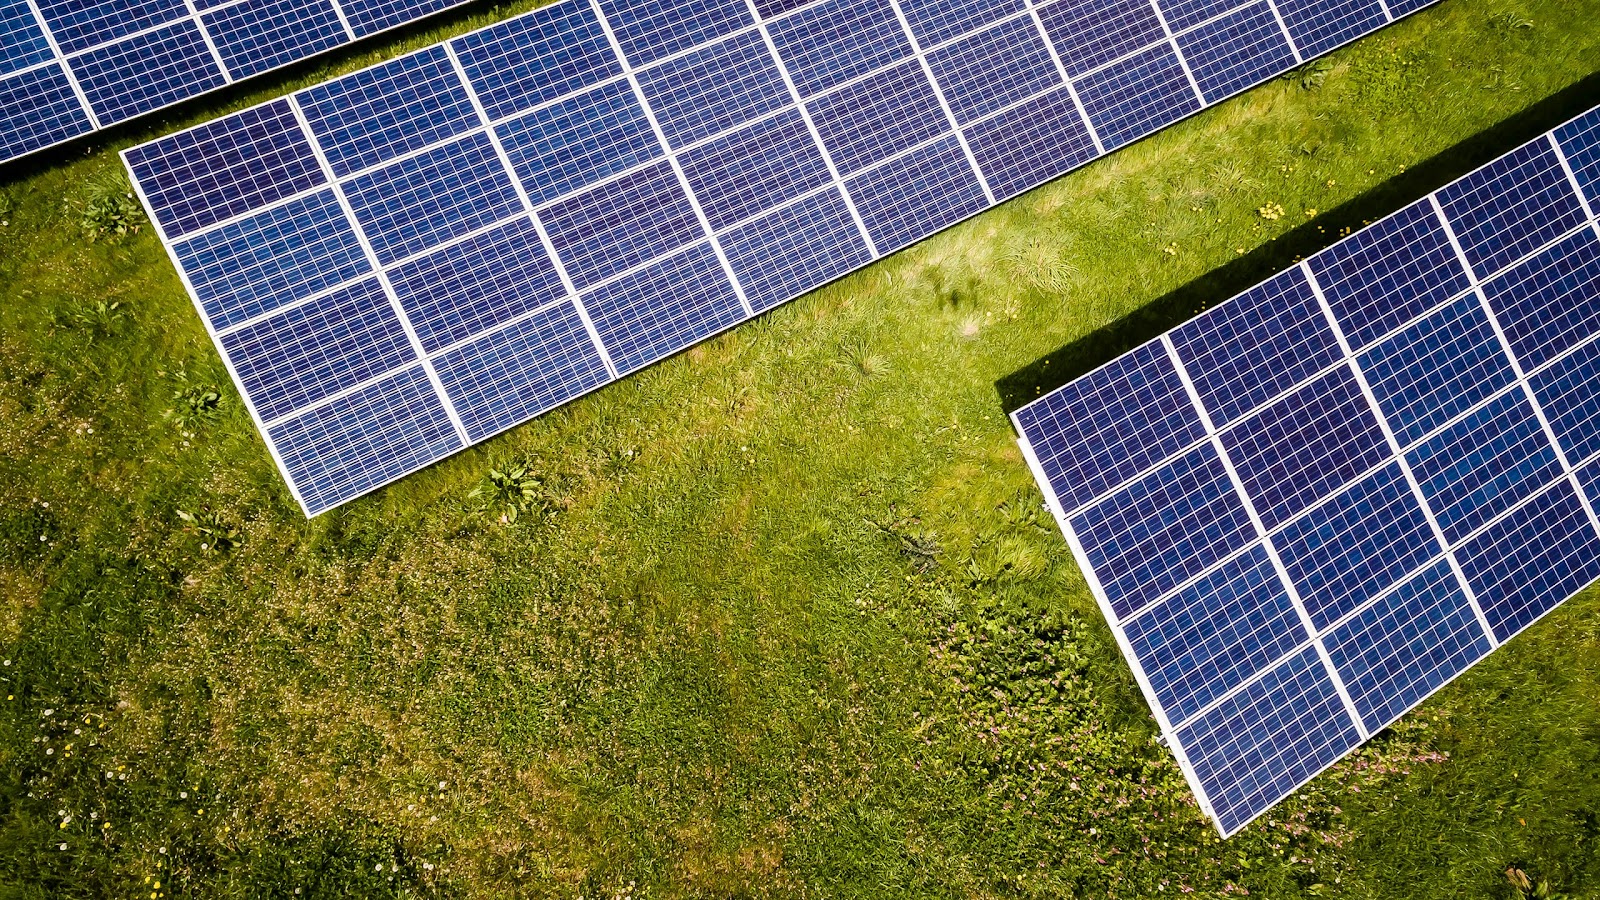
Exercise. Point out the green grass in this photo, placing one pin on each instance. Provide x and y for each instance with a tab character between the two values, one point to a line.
779	617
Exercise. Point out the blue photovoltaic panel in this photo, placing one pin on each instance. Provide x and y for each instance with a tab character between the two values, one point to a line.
1550	301
123	58
384	112
1436	369
522	370
937	21
254	265
711	90
666	169
147	71
1163	529
470	287
1344	552
562	147
77	25
1304	445
1389	273
1483	464
1129	99
1511	206
1262	742
47	111
1385	485
1214	634
993	69
1268	339
1580	145
257	35
1403	647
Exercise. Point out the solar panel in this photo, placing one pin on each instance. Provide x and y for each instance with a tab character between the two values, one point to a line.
659	171
1307	509
70	67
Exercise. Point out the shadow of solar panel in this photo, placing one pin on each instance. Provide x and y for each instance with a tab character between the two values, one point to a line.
669	168
1382	491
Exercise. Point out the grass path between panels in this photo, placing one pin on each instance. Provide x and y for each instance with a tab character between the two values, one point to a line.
780	617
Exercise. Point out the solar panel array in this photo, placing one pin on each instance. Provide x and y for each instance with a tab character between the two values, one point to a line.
409	259
1307	509
69	67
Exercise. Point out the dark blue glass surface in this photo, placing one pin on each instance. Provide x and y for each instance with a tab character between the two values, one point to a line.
1402	648
317	349
1510	207
374	115
427	199
621	224
1257	345
993	69
286	253
1389	273
874	119
1263	742
576	142
472	286
1436	369
1305	446
1163	529
907	199
1215	634
754	169
1346	551
1484	464
199	177
1141	94
1109	425
714	89
663	308
792	250
521	370
1531	561
1550	302
1030	143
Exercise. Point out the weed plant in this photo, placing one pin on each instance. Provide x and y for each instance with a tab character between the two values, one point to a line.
790	620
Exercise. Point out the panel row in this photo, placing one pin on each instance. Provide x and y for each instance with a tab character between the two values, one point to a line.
1311	506
663	172
69	67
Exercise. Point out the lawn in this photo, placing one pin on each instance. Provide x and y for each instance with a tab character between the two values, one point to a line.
782	616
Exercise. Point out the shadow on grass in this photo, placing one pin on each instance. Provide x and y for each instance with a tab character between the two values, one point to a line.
1093	350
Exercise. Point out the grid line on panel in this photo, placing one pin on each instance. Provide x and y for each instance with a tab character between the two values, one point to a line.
1283	26
672	159
1505	345
1066	78
811	128
1446	550
383	279
1572	177
344	19
1538	411
527	206
944	102
211	44
227	362
1092	578
71	76
1265	541
1172	40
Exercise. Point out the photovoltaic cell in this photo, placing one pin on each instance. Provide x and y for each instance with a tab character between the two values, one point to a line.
86	64
664	169
1411	434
